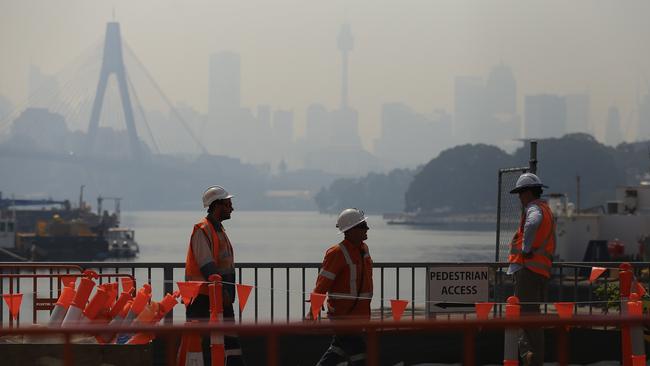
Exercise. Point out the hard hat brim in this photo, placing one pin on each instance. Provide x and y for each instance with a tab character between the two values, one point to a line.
217	199
342	230
521	189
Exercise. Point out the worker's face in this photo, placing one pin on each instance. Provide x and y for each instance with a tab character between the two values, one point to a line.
223	210
358	233
526	197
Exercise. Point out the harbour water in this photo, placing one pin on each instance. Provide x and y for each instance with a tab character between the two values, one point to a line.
290	236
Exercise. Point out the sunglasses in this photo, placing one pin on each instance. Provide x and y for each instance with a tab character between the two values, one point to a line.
362	225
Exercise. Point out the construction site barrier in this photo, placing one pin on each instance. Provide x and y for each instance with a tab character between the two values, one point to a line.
273	331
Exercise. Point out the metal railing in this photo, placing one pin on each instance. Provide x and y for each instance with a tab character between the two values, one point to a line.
282	289
372	330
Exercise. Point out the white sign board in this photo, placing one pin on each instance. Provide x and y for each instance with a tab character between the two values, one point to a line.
456	289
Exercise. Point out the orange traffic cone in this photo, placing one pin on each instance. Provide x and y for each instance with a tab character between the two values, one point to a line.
75	311
190	352
61	307
141	299
164	307
217	347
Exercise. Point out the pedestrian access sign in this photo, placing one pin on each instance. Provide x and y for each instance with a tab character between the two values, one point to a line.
456	289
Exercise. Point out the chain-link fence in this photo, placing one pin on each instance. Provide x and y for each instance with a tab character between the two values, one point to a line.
508	210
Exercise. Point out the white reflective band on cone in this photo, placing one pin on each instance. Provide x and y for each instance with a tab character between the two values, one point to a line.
73	316
57	316
129	318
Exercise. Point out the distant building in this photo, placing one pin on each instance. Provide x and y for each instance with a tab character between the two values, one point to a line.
643	126
545	116
224	85
6	107
40	130
264	116
409	138
486	112
283	127
613	131
469	109
501	91
318	131
577	113
44	89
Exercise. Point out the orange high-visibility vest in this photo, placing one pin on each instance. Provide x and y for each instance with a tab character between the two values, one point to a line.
346	276
222	254
543	246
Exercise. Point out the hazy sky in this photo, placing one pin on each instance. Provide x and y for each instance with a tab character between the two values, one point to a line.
406	51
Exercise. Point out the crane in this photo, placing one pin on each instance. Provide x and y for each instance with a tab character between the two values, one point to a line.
116	200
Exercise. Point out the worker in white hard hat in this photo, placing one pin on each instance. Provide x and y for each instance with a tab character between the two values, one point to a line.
346	278
531	258
210	252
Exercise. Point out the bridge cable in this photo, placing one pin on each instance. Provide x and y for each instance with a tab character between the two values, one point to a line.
166	99
142	113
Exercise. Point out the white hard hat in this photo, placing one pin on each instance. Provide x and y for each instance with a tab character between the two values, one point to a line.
214	193
527	180
349	218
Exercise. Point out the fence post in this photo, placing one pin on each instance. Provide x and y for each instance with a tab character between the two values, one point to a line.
217	348
168	280
635	308
625	284
510	346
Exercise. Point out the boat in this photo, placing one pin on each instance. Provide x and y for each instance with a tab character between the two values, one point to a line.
121	242
465	221
49	230
616	230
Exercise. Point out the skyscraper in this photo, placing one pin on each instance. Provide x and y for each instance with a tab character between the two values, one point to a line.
577	113
643	127
613	131
224	85
469	108
501	90
545	116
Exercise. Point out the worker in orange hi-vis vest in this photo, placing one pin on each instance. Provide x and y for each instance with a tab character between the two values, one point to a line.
531	258
346	277
209	253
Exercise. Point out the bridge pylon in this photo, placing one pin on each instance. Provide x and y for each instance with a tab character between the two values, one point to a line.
113	63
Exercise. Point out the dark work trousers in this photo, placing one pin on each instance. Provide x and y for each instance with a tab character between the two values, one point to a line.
345	348
531	287
199	310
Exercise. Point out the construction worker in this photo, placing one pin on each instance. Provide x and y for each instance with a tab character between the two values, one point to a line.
531	258
346	277
210	252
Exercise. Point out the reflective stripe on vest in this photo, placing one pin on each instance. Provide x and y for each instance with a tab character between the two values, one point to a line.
353	270
192	270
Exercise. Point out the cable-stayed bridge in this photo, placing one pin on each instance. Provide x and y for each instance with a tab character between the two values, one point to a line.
111	106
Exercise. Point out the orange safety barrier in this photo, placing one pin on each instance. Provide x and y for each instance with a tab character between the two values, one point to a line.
217	347
637	346
625	284
272	331
510	346
65	279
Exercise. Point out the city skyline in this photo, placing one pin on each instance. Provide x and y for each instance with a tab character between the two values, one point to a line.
588	48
